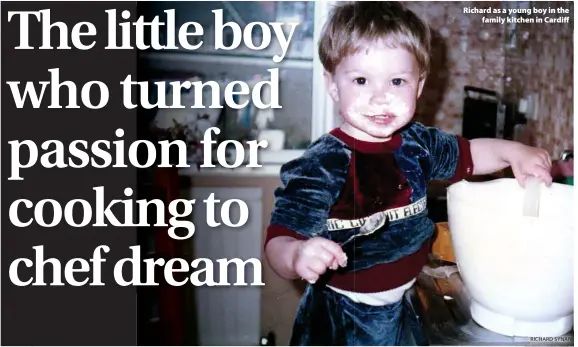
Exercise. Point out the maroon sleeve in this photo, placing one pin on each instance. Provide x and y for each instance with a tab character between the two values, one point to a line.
465	167
274	231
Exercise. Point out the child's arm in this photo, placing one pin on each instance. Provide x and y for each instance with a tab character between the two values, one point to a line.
491	155
453	157
280	252
292	258
311	184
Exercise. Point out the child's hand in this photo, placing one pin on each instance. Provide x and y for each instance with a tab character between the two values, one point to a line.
530	161
315	255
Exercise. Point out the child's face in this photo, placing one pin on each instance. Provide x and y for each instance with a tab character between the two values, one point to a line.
376	90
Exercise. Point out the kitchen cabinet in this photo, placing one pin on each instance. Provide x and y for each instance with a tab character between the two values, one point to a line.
228	315
279	298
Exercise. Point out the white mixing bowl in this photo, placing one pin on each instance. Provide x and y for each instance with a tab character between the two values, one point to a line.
518	270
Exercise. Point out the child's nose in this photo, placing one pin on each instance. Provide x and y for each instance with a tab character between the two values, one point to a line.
380	96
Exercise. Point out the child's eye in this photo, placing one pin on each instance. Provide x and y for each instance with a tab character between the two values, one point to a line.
360	80
397	81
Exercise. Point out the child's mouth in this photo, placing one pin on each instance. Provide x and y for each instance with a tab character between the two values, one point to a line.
382	118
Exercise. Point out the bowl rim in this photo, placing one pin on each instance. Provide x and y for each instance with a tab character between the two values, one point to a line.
454	196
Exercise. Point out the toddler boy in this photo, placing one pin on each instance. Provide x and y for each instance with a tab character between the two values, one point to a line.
370	176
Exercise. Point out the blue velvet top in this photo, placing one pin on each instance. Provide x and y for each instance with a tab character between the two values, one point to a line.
313	182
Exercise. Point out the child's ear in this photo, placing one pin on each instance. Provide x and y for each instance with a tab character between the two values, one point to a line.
331	86
420	87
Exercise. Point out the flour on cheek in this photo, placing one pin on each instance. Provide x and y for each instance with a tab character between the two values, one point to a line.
397	106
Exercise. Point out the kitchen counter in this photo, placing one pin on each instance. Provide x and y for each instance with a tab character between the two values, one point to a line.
443	306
